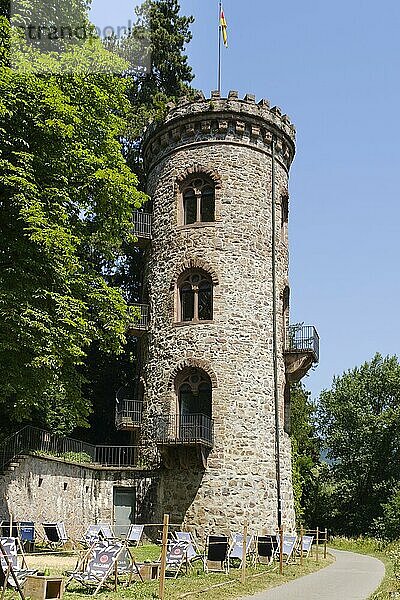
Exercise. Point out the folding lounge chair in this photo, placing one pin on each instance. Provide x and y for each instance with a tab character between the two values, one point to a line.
306	547
13	572
216	554
96	533
127	566
267	546
236	549
134	535
176	558
289	545
97	566
192	550
55	534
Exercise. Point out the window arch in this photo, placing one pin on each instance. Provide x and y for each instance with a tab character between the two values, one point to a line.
198	201
194	393
195	297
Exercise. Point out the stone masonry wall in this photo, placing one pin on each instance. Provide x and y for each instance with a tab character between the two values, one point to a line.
230	141
49	490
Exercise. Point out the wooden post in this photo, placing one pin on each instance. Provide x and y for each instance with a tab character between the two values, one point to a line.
163	564
281	550
301	544
325	542
317	547
11	524
243	578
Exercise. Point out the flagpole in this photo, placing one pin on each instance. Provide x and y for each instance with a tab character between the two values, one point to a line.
219	45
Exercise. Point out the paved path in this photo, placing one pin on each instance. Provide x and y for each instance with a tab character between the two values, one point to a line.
350	577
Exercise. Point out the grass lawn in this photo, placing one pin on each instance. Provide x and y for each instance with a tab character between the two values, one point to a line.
258	578
389	554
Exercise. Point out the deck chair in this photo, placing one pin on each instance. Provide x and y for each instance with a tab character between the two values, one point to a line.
266	548
13	572
216	554
289	545
305	548
55	535
97	566
236	548
192	550
127	567
134	535
96	533
176	557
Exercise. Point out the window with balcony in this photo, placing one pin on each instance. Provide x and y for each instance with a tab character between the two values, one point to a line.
198	202
195	297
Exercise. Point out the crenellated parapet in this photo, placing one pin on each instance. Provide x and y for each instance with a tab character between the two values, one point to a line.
217	120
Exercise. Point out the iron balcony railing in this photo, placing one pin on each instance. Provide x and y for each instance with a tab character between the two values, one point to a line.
185	430
302	338
141	322
32	439
128	412
143	224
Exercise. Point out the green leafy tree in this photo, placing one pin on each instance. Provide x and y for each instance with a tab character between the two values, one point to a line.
67	197
305	453
359	420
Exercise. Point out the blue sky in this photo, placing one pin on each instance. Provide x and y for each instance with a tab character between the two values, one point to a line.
334	68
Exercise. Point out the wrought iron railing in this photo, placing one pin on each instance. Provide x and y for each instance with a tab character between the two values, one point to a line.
143	224
140	322
185	429
33	439
302	338
128	412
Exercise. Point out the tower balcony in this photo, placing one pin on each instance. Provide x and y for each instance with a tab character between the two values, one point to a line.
143	226
128	414
185	430
139	324
301	350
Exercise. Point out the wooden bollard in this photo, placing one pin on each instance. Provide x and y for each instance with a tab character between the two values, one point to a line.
317	547
301	544
325	542
281	551
163	562
244	548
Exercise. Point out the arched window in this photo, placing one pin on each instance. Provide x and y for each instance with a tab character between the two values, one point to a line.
198	199
195	297
194	393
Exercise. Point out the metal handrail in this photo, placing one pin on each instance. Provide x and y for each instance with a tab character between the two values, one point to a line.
142	322
302	338
33	439
185	429
128	410
143	224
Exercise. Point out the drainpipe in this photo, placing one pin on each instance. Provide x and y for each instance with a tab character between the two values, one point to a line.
275	342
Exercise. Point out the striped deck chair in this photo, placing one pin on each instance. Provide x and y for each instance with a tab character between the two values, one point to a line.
98	566
192	550
13	567
134	535
176	557
306	547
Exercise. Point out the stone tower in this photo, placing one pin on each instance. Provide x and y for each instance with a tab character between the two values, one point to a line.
217	356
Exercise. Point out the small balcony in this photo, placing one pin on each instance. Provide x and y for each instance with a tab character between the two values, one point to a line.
143	226
140	319
301	350
128	414
185	430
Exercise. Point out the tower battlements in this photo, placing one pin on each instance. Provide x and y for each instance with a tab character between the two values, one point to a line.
217	119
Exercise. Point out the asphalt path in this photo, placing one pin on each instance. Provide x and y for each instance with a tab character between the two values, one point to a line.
351	577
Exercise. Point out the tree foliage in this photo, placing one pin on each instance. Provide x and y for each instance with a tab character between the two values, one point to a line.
67	196
359	420
305	453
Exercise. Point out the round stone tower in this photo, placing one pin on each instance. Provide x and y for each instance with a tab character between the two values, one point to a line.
214	375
